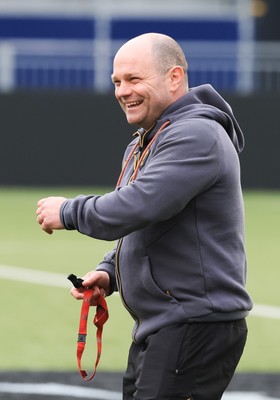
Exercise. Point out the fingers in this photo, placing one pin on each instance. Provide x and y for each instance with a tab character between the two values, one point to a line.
78	294
48	213
99	278
90	279
40	215
41	202
43	221
93	282
40	207
47	229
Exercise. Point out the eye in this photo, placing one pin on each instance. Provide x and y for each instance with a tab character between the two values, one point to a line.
117	83
134	79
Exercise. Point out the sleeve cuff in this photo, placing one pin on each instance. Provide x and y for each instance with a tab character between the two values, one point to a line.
66	216
110	271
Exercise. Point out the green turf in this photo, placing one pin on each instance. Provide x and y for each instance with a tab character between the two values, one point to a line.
263	251
39	323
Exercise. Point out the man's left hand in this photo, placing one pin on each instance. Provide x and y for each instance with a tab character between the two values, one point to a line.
48	213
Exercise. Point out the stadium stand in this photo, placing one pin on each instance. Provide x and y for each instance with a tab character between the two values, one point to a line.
69	44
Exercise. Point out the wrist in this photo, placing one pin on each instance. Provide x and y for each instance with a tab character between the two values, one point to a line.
65	215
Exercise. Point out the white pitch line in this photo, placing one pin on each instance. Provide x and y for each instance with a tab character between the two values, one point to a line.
247	396
264	311
34	276
55	389
60	280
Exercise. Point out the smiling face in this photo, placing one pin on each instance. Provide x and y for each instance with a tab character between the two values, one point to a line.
141	88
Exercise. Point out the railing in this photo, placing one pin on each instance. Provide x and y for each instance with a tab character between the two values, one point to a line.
70	44
266	71
87	65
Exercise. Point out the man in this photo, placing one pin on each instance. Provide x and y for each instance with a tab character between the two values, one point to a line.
177	215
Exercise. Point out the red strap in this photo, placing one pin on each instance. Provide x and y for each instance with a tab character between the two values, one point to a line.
99	320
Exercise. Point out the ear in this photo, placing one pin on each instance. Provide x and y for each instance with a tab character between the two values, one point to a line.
176	76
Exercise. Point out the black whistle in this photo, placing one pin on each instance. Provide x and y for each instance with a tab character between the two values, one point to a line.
77	282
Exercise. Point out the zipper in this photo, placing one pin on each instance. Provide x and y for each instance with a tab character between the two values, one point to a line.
139	154
118	276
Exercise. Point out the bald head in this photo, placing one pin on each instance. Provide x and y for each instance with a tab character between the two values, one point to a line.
149	74
164	51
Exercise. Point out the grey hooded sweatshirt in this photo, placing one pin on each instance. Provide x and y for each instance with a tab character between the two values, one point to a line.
179	224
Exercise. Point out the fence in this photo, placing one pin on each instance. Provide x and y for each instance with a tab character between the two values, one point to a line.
58	44
87	65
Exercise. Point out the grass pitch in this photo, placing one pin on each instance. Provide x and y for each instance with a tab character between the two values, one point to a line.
39	323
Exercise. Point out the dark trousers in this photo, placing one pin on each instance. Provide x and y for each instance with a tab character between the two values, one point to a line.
193	361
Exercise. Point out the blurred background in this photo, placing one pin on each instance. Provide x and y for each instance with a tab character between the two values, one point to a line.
62	132
60	123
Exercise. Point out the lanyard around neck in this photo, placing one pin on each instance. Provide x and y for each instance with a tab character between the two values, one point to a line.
142	157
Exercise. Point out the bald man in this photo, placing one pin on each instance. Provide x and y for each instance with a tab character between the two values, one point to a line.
177	216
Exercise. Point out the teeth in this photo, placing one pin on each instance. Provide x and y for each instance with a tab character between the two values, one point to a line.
134	104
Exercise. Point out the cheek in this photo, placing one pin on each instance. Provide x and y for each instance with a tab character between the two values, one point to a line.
159	100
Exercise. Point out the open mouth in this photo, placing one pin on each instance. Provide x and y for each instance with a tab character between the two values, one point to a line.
134	104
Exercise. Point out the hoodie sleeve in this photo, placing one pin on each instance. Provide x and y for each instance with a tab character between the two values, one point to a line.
183	162
108	265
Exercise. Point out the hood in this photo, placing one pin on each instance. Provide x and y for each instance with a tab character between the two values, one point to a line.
203	101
